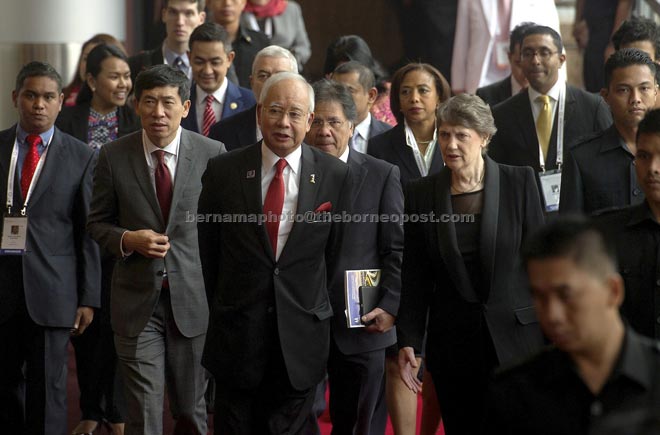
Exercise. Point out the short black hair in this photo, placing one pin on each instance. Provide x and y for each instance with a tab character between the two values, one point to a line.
329	91
637	29
365	75
575	238
650	124
352	47
517	34
544	30
201	4
627	57
162	75
37	69
210	32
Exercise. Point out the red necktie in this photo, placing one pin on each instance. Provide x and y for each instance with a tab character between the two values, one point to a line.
30	163
209	116
273	204
163	184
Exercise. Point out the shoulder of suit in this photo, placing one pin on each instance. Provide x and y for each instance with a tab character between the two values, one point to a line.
376	164
381	141
510	103
72	144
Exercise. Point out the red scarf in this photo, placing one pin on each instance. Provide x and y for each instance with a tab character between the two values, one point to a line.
270	9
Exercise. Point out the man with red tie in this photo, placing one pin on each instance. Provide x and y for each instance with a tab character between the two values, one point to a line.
213	97
266	238
49	268
145	185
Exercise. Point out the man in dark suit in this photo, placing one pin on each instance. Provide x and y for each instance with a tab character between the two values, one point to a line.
246	42
357	355
51	286
497	92
599	377
265	234
361	83
636	234
528	123
146	187
212	95
181	17
599	171
242	129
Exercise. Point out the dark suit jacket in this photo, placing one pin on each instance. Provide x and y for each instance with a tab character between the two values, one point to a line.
435	278
237	99
378	127
74	121
375	189
391	147
497	92
516	143
599	173
238	130
260	306
125	200
635	234
246	46
61	268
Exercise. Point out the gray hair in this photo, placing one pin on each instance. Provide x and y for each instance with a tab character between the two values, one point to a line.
277	52
468	111
285	75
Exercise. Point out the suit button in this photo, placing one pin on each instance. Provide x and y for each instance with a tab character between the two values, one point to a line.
159	273
596	409
276	271
270	310
657	282
636	192
658	320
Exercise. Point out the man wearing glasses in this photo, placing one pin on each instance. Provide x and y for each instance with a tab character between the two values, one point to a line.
266	233
537	126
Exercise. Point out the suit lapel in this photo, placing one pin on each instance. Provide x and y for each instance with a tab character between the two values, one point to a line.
142	176
358	173
56	152
447	241
405	152
250	180
489	221
183	168
232	100
528	128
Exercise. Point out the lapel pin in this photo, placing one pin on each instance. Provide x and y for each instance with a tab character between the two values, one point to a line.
312	178
233	105
250	174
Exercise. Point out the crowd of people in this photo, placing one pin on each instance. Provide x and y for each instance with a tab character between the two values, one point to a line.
199	220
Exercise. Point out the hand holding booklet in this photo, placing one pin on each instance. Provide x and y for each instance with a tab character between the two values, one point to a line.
362	294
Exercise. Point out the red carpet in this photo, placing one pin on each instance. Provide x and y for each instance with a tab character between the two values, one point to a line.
74	410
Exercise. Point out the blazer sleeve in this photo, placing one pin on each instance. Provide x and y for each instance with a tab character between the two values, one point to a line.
390	243
571	198
417	273
104	210
89	259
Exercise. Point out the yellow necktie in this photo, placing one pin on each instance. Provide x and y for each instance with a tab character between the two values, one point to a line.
544	124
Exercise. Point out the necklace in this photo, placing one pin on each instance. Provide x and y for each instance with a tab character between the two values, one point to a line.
471	189
424	141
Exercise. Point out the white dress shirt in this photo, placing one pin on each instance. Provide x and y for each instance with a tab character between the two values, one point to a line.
218	103
553	93
361	135
291	175
423	160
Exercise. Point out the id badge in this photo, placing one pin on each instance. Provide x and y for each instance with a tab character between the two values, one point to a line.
14	235
502	54
551	185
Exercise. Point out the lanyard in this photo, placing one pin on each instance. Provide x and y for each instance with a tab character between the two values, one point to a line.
12	170
560	132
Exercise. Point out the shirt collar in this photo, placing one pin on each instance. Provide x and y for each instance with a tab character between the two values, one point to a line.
170	148
171	56
612	140
641	213
410	137
219	93
46	136
344	155
552	93
632	362
269	159
363	128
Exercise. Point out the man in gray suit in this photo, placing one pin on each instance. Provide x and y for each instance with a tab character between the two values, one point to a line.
49	290
145	186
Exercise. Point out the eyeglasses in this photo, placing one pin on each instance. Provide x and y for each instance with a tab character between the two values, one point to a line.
334	124
542	53
276	113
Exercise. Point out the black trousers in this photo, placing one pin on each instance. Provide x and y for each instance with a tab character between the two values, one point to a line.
33	375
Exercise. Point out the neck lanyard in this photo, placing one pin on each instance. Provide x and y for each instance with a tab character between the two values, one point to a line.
12	171
560	132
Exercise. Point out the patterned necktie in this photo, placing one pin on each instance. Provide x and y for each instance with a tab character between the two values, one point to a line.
544	124
163	185
178	62
209	116
273	204
30	163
